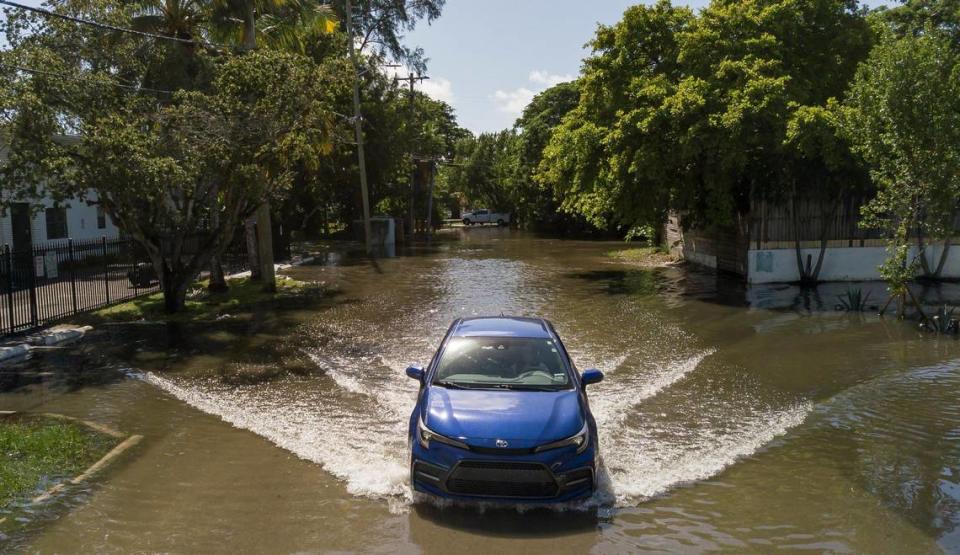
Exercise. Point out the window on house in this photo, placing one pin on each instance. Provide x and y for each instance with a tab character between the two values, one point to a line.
56	223
101	218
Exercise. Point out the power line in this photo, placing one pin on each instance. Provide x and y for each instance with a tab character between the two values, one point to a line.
108	27
73	78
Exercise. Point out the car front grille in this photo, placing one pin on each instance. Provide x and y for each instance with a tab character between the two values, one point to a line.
502	479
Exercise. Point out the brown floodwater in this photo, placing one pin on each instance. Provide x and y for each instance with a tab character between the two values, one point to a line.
731	418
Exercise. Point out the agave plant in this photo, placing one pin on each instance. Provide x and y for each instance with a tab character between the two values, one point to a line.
943	321
853	300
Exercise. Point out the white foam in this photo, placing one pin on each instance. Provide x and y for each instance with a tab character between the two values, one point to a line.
358	446
612	400
645	471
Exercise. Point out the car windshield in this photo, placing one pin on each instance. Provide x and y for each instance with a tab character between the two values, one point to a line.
502	362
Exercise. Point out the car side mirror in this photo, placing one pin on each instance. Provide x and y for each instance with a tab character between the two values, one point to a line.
415	372
591	376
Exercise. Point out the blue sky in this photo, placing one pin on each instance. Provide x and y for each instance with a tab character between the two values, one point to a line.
488	58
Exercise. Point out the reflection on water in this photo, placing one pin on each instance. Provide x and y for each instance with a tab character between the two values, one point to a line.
731	418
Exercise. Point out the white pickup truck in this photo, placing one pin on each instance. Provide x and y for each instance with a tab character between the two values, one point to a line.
485	216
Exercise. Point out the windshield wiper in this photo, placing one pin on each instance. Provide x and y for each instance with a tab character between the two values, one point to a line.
449	385
526	387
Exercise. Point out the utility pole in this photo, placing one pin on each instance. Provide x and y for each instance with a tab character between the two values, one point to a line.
358	129
411	79
263	238
433	179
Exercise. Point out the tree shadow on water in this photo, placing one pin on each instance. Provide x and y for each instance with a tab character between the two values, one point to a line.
676	284
509	522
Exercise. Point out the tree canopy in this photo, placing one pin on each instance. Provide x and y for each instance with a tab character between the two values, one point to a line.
903	117
702	112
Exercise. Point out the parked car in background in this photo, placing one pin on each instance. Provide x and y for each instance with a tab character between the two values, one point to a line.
485	216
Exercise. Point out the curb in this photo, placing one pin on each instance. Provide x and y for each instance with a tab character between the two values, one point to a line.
95	467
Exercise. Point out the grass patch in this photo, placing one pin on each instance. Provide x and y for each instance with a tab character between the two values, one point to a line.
38	452
647	257
243	295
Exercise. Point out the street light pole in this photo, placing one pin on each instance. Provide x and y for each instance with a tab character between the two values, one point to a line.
358	129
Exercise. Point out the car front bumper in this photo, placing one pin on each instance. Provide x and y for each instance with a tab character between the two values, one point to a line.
550	477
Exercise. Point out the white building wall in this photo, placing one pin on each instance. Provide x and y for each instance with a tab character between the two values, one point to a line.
839	263
81	221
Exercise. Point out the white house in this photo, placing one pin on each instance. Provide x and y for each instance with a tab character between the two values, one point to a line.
37	222
32	222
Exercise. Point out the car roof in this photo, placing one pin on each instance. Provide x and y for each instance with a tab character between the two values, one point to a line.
502	326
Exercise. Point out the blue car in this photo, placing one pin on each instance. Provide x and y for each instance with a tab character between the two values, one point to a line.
502	416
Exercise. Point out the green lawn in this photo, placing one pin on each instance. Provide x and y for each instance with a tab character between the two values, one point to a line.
36	452
648	257
201	304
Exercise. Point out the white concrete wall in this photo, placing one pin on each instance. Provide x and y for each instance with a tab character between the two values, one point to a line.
81	222
690	255
839	264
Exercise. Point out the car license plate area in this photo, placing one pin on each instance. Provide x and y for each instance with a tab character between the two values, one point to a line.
502	479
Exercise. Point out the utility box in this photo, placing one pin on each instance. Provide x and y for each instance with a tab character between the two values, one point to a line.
384	231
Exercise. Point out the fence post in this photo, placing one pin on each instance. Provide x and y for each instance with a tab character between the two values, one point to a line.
73	276
34	312
8	257
106	267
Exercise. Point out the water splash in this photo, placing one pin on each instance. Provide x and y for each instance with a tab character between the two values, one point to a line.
644	471
612	400
354	426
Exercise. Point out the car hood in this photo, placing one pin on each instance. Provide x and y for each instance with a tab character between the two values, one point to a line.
522	418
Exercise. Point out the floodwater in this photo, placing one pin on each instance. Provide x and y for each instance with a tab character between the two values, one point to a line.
731	419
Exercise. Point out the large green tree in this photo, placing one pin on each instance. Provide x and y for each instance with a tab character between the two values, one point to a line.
903	117
703	113
177	170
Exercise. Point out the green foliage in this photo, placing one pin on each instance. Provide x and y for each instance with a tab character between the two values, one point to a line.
903	117
380	25
162	164
38	452
916	17
485	170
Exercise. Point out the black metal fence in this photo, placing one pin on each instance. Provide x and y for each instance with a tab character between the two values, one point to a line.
59	279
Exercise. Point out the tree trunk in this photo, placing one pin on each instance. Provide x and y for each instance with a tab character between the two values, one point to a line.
824	228
801	271
943	257
249	26
218	282
927	272
250	230
268	274
174	285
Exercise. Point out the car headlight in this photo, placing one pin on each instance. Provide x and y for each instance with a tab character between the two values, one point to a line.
580	439
427	435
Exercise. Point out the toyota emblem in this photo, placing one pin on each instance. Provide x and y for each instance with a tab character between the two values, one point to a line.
502	443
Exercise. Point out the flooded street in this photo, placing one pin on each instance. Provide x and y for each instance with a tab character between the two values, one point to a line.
729	419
